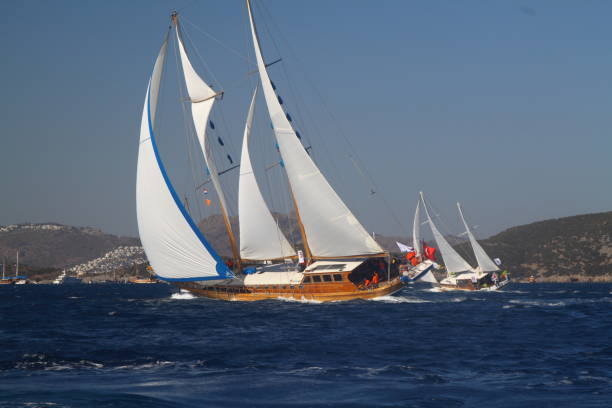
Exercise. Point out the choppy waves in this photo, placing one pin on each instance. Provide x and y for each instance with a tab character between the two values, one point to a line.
143	345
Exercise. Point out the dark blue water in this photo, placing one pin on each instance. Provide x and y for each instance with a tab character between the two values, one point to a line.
538	345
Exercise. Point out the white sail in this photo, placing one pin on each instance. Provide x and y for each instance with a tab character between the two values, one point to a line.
202	98
429	278
174	245
331	228
484	262
416	230
452	260
260	237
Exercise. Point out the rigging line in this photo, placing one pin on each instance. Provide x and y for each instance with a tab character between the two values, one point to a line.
296	96
202	61
337	175
215	39
189	130
183	32
342	133
283	178
445	228
185	6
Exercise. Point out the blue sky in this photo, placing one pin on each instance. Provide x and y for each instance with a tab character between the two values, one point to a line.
502	105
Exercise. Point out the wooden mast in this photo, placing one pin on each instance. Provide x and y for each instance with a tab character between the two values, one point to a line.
308	254
226	220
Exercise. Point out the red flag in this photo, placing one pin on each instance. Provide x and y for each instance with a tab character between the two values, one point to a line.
430	252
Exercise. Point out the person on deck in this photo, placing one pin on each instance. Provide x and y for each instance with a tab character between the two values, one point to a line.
375	278
474	280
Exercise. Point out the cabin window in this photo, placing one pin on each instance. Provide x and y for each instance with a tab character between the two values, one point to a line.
291	286
330	267
316	278
327	278
337	277
307	279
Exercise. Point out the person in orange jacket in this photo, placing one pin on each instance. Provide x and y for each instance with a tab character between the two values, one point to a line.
375	278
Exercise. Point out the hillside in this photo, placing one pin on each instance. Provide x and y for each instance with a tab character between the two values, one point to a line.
577	247
55	245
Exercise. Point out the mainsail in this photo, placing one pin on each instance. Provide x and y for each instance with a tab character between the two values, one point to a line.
260	236
174	245
202	98
416	230
452	260
484	262
331	228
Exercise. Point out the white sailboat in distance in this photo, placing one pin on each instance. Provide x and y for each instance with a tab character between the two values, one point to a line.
460	274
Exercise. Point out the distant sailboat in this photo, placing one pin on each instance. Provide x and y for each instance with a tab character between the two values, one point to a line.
460	274
342	260
422	268
12	280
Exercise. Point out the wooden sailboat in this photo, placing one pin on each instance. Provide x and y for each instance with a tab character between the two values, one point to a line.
342	260
460	274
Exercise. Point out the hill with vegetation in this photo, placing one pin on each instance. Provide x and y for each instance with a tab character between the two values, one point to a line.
53	245
562	249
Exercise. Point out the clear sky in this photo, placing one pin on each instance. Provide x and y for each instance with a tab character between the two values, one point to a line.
505	106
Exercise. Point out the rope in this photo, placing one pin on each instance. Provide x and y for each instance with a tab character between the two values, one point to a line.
357	162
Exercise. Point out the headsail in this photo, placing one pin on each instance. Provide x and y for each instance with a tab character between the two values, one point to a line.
416	230
202	98
484	262
174	245
452	260
260	237
331	228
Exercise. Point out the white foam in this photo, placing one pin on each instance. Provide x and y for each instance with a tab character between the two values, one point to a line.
435	289
537	303
302	300
183	295
398	299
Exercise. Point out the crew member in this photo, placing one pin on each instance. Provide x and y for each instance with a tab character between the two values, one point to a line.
375	278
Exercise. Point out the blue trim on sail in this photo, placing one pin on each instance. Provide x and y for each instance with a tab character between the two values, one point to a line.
221	268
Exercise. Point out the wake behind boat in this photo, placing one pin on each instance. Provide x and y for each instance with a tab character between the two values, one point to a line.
339	259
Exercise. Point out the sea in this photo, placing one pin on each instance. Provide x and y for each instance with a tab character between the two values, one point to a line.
107	345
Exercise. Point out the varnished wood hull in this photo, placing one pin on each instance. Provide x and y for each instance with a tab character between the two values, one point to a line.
323	293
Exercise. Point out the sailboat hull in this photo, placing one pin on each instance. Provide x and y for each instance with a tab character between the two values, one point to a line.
469	286
327	292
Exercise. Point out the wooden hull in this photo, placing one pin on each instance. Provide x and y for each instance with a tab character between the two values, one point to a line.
142	281
326	292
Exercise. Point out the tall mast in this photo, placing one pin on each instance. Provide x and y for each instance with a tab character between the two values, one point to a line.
301	227
17	267
333	231
209	162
